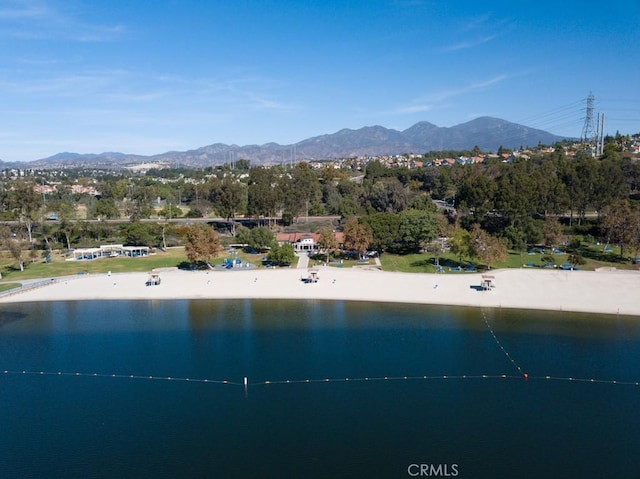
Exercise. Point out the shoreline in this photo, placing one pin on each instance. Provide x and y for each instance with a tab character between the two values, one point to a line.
604	292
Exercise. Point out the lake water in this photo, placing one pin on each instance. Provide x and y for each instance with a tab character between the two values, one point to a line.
462	425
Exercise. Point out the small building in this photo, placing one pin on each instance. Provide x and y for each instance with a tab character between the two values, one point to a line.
135	251
306	242
488	282
312	278
85	254
108	251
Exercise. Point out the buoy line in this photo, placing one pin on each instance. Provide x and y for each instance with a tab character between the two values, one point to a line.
121	376
245	383
506	353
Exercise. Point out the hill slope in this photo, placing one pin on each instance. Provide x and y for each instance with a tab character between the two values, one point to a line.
485	132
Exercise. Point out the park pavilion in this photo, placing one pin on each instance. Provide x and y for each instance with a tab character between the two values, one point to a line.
108	251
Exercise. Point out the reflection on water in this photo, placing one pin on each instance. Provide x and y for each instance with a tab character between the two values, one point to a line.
123	427
7	317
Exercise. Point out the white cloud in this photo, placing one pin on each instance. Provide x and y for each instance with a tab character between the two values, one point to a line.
479	21
468	44
414	109
471	87
471	32
37	61
23	10
41	20
435	100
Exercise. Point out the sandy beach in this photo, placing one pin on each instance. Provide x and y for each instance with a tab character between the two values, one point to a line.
610	292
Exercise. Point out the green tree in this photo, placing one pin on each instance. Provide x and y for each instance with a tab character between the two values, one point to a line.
344	205
67	220
141	234
374	170
261	238
417	227
13	244
140	201
385	229
26	204
460	243
15	247
609	184
388	195
282	255
300	190
621	225
516	238
476	192
228	196
202	244
243	235
550	195
422	202
105	208
515	192
264	198
170	211
569	178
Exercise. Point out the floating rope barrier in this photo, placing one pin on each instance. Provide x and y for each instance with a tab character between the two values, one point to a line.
585	380
506	353
384	378
245	383
122	376
450	377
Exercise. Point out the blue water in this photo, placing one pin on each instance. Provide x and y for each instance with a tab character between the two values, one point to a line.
102	426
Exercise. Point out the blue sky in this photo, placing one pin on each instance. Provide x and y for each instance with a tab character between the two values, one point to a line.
147	77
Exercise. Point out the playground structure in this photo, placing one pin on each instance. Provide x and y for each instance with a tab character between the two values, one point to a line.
236	263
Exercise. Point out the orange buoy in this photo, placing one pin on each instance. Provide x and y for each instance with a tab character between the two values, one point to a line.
525	375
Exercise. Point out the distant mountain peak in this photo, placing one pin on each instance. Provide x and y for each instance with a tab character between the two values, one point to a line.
486	132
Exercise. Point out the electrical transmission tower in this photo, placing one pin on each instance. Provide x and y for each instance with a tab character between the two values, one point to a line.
588	132
593	136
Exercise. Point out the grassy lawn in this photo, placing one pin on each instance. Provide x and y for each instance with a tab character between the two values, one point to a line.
8	286
425	262
59	267
594	255
173	257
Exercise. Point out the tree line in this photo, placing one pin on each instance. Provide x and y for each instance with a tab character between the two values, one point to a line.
513	202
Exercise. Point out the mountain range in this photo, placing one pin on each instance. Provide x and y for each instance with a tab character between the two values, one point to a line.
487	133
